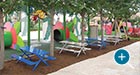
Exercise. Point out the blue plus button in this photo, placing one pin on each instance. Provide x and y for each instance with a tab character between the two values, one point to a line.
121	56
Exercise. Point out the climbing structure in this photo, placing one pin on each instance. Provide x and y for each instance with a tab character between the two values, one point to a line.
11	37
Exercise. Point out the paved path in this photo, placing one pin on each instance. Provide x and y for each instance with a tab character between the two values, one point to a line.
105	64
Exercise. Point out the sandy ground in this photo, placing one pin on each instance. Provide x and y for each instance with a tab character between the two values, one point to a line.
105	64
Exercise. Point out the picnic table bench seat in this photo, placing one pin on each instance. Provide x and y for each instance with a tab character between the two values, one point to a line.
66	49
95	42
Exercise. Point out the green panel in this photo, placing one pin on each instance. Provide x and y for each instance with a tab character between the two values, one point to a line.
20	42
70	26
17	27
7	39
74	21
73	37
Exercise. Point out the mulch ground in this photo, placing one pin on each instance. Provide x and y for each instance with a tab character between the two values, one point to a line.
63	60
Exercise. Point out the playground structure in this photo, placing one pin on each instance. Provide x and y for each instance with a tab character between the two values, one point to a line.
11	37
60	33
59	30
134	31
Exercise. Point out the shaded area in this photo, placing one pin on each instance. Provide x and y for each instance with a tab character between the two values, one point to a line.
8	53
40	45
63	60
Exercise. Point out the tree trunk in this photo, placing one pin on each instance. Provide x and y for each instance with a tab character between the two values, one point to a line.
117	30
39	30
52	33
125	29
1	41
116	27
28	12
64	22
82	25
88	26
102	32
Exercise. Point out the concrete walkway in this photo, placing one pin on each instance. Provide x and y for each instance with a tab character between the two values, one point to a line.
105	64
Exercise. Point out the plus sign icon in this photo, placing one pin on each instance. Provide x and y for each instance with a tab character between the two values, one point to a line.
121	56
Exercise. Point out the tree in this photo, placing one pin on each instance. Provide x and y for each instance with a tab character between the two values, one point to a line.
1	40
28	5
50	6
102	8
125	9
6	6
82	7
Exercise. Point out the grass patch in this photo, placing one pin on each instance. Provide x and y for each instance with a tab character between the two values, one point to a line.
134	38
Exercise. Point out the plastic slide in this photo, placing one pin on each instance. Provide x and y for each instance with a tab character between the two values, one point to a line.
73	37
14	37
108	28
8	26
70	25
17	27
7	39
11	39
59	32
46	28
75	21
20	42
59	29
58	35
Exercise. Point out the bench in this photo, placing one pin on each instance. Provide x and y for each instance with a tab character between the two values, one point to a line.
95	42
27	51
66	49
113	40
26	61
73	46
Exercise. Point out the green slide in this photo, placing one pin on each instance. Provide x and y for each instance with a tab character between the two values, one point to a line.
20	42
73	37
17	27
70	26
